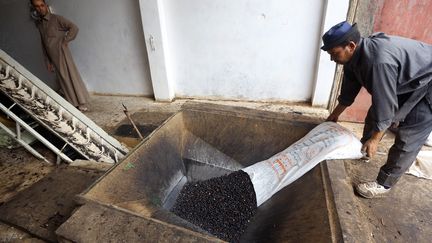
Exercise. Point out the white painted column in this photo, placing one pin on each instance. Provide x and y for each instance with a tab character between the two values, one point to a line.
335	12
153	22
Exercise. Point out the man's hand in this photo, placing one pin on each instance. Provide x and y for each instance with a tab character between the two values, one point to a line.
334	116
50	67
371	145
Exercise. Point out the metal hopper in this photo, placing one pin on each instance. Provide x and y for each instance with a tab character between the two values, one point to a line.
201	142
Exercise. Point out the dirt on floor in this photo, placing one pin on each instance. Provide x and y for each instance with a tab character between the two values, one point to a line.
37	197
405	214
19	170
48	203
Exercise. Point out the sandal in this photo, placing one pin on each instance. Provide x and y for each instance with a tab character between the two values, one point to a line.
83	108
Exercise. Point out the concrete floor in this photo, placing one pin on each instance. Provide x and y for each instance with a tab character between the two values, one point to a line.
107	111
404	216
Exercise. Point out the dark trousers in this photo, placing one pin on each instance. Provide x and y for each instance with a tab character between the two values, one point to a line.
410	137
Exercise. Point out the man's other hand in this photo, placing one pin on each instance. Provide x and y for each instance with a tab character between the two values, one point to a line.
370	147
332	117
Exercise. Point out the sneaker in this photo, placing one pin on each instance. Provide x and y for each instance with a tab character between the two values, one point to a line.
371	189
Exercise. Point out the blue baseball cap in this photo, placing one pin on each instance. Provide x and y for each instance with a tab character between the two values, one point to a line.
338	34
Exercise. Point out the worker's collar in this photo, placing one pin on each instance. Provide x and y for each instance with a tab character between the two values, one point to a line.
356	56
47	16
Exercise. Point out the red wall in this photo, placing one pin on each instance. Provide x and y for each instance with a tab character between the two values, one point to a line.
408	18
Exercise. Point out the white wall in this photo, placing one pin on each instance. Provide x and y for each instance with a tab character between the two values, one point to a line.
110	48
243	49
335	12
153	21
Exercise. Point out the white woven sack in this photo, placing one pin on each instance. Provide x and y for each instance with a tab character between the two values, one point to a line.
326	141
422	167
429	140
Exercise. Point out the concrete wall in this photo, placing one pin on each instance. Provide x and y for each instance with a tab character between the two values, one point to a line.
335	11
244	49
249	50
20	39
366	14
109	51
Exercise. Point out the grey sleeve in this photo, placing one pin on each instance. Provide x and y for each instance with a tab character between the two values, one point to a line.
349	90
384	95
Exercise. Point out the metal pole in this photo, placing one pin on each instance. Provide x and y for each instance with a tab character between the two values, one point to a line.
130	119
